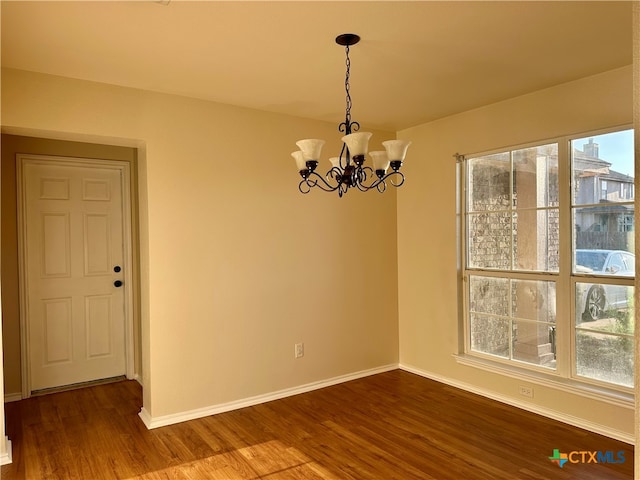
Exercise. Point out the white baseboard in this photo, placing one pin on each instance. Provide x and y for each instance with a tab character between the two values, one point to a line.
146	418
164	420
545	412
5	458
12	397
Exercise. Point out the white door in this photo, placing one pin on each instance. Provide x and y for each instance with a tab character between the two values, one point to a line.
74	265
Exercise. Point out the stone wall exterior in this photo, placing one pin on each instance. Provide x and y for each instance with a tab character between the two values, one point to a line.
493	242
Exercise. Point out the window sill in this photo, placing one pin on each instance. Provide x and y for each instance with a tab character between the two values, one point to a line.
594	392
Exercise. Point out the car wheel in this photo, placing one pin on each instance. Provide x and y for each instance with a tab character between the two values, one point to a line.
594	305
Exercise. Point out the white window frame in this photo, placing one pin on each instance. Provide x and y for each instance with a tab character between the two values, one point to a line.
604	192
564	376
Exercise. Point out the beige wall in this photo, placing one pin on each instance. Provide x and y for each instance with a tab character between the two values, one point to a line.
236	265
427	222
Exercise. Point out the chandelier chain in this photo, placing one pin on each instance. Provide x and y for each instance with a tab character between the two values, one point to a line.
347	88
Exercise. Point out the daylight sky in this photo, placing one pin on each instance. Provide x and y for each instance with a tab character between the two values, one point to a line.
616	148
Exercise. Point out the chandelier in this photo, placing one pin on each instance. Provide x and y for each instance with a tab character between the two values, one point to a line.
348	170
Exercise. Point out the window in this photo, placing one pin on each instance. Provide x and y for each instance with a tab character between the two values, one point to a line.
625	223
534	298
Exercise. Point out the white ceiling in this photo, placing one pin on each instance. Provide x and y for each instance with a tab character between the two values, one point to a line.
417	61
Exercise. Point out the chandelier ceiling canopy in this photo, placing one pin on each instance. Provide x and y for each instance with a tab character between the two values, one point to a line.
348	170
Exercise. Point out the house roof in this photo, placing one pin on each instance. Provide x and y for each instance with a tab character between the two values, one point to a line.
417	61
592	166
619	177
608	207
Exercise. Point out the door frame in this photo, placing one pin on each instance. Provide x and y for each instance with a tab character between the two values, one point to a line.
125	170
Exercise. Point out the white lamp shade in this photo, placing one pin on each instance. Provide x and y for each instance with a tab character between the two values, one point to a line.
311	148
357	143
380	160
396	149
301	163
335	162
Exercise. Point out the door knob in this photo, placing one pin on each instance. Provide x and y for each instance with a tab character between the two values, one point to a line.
118	283
117	268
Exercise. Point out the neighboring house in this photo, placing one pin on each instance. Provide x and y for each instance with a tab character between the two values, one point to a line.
607	221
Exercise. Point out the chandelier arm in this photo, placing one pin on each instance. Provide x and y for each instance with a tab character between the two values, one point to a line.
344	156
336	174
333	171
380	184
315	183
377	183
383	180
306	189
362	177
374	185
389	176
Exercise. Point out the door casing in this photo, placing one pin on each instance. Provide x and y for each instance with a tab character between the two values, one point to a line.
124	168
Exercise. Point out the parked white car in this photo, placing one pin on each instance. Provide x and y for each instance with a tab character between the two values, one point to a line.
602	297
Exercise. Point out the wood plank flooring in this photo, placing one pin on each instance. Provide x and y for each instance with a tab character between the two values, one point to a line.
395	425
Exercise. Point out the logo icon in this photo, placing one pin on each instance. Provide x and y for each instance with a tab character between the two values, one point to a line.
559	458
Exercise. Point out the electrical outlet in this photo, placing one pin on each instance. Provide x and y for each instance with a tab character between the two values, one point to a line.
299	350
525	391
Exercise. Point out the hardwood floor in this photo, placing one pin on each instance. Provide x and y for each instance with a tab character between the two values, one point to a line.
395	425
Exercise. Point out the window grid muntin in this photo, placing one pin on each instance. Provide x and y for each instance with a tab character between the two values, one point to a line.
509	316
510	209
